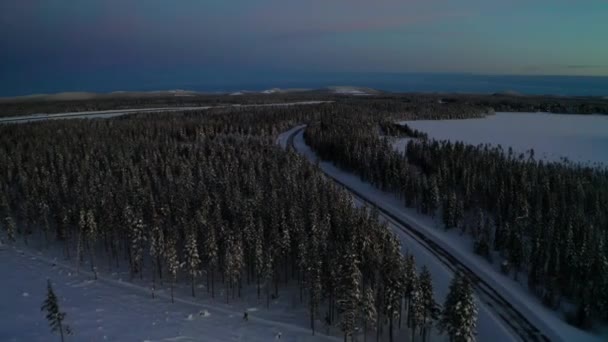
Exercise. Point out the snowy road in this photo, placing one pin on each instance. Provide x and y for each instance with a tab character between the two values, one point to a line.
118	112
499	307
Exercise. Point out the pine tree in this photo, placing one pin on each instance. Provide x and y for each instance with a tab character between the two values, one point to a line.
53	314
431	309
91	237
410	275
211	254
434	197
193	261
368	310
138	239
268	273
315	290
459	315
172	262
313	272
82	227
416	307
157	242
349	294
11	228
258	253
449	210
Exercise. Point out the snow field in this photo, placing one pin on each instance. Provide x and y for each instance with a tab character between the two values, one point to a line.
111	309
579	138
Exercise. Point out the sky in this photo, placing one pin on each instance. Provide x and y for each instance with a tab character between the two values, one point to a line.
84	43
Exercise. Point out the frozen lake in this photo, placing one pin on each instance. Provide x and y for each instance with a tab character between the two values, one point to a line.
580	138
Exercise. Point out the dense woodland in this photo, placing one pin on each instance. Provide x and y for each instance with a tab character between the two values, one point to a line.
110	101
548	221
208	198
425	105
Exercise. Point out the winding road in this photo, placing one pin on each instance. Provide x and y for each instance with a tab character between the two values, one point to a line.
510	315
517	322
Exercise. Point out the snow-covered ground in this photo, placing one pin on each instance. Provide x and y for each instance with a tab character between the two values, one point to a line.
490	326
348	90
113	309
580	138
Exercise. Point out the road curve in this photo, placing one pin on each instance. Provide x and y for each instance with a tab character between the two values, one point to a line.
512	317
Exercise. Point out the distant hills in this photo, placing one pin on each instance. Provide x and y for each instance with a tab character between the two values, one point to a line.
331	90
75	96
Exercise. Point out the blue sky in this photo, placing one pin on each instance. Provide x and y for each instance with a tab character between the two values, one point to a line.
84	42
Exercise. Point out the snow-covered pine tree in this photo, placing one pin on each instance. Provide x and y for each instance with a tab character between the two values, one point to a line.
229	265
211	255
368	311
268	273
449	208
416	307
82	227
11	228
172	262
91	238
239	264
349	294
409	274
313	269
314	290
459	315
193	260
393	281
459	214
53	313
44	216
478	225
258	256
157	242
434	197
431	309
138	239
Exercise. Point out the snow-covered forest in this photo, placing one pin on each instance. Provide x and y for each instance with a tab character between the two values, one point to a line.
208	201
544	221
207	198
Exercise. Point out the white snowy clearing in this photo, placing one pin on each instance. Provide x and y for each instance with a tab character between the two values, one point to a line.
490	326
348	90
580	138
110	309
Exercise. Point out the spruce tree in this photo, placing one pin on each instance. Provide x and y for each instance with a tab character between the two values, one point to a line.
459	315
192	259
368	310
91	237
157	243
431	309
416	307
349	294
211	252
11	228
172	262
434	197
138	239
53	313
